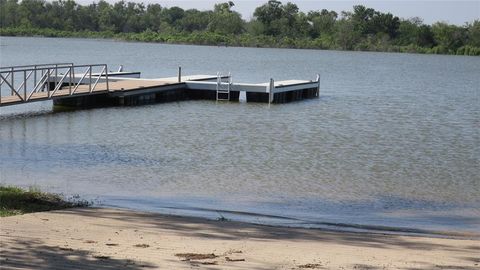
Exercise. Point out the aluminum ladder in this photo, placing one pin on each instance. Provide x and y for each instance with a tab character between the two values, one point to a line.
223	88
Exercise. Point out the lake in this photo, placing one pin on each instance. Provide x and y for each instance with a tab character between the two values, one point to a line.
393	142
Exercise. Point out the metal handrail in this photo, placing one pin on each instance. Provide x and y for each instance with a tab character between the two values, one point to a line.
41	82
37	66
65	70
49	67
12	87
88	72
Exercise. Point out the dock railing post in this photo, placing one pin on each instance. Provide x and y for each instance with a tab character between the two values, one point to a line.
106	76
35	75
179	74
13	81
48	82
24	85
70	80
90	77
56	77
271	87
42	89
73	73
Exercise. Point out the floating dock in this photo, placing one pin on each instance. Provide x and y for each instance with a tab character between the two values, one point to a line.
94	86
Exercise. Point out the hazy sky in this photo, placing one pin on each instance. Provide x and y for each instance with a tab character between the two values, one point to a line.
455	12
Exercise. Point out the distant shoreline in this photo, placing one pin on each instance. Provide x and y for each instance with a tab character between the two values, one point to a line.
231	41
83	238
272	25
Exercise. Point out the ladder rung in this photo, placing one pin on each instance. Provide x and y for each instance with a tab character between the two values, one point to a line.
223	88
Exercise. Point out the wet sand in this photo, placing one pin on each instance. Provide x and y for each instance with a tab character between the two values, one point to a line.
103	238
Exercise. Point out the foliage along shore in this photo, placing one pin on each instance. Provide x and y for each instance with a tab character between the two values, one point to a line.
273	25
17	201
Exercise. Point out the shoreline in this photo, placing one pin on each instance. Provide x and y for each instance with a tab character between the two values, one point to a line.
119	38
109	238
320	226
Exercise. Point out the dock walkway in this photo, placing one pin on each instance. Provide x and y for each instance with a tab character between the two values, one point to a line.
63	84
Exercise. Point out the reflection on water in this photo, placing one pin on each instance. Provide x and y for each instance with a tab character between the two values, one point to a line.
393	141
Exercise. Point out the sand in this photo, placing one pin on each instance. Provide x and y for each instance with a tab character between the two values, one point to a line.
102	238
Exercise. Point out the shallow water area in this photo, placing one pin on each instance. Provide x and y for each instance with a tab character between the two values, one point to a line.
392	143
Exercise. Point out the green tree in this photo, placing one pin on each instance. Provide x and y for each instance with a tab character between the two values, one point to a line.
322	22
225	21
361	19
172	16
105	16
449	37
267	14
152	17
473	33
32	13
87	18
135	14
424	36
9	13
385	23
346	35
194	20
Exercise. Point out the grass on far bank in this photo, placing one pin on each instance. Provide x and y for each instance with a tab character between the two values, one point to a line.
17	201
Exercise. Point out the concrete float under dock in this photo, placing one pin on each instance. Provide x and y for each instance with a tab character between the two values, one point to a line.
120	88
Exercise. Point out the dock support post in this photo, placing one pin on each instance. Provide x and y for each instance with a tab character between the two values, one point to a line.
318	87
270	91
179	74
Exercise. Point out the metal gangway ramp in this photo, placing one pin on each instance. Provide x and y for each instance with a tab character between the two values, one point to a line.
46	81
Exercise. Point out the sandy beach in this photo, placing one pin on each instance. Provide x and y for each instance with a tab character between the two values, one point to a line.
103	238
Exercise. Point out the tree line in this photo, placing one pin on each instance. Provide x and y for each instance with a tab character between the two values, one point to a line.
273	24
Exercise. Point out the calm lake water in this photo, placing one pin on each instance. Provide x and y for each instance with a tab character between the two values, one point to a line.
392	143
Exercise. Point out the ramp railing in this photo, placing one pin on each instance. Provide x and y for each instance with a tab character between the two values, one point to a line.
26	82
